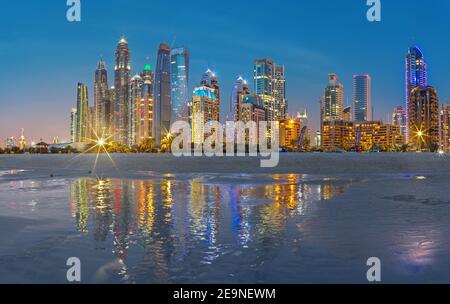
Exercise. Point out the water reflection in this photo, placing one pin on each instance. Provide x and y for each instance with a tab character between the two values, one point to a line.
160	230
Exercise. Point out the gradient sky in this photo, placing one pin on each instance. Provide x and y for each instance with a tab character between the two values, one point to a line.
44	56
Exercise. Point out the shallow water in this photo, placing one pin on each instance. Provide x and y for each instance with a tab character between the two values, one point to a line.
238	228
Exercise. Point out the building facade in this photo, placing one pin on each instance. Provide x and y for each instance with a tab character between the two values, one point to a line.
101	88
362	98
122	77
162	95
179	69
239	91
416	76
399	119
205	108
73	125
423	115
333	100
264	72
82	113
445	128
279	93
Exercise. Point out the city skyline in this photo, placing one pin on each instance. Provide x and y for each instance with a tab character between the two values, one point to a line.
305	72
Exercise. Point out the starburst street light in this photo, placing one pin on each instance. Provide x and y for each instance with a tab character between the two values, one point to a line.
100	145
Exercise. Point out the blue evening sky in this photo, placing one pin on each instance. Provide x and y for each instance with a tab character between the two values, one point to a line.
44	56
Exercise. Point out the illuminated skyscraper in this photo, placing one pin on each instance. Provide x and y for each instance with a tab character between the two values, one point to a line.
279	93
264	73
82	113
205	108
163	101
144	107
362	98
416	76
239	91
73	125
100	97
210	80
179	61
122	73
445	128
135	102
399	119
423	115
332	103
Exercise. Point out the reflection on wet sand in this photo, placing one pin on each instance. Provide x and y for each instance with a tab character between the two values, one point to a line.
161	230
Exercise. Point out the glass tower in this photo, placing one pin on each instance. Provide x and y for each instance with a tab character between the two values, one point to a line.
163	102
362	99
179	68
416	76
122	75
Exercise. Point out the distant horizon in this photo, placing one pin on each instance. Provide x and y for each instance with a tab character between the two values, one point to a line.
47	57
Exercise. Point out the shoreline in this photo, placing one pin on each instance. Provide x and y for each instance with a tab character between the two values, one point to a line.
147	165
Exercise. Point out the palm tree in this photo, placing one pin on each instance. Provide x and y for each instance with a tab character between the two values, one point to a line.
166	143
147	146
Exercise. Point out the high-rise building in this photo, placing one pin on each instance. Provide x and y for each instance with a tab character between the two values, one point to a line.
332	103
445	128
82	113
416	76
239	91
91	133
145	107
209	79
73	125
122	75
362	98
136	84
399	119
205	108
347	114
251	110
290	130
100	98
423	115
163	101
279	93
264	73
179	74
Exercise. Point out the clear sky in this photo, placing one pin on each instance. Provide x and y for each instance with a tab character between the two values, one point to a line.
44	56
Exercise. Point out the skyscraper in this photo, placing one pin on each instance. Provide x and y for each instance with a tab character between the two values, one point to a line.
445	128
416	76
136	84
122	73
210	80
362	98
332	103
73	125
144	107
423	115
82	113
163	102
205	108
279	93
399	119
239	91
179	73
264	72
100	97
